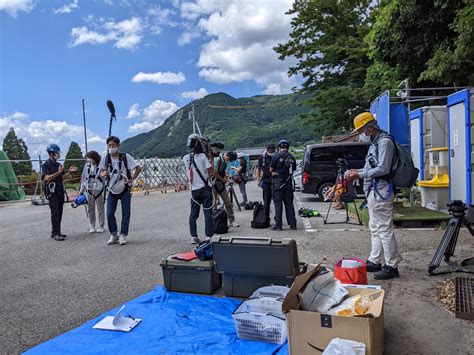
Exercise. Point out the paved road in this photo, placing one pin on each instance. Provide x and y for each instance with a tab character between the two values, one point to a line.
49	287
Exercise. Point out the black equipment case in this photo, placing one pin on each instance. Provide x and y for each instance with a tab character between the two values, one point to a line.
248	263
195	276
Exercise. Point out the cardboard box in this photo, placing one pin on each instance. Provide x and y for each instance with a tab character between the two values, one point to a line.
310	332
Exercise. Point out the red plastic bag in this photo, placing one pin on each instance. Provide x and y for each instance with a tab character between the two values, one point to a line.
357	276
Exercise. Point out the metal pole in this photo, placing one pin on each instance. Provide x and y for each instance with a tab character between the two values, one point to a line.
85	128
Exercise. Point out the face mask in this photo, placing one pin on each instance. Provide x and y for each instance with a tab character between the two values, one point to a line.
113	150
364	138
271	154
57	156
90	161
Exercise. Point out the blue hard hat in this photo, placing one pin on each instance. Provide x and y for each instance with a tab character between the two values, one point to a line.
53	148
283	142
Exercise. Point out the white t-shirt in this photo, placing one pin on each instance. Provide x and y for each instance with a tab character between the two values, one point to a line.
202	162
115	174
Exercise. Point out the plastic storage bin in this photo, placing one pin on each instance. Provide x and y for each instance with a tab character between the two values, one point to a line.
258	326
195	276
271	291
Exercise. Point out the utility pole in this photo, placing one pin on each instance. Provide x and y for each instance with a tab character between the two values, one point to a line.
85	128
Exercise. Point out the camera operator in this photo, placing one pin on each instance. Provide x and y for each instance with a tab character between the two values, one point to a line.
221	177
200	166
282	167
378	189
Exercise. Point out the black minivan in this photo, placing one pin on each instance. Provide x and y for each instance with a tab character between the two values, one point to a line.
320	165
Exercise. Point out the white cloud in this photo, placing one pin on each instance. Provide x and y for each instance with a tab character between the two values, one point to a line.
241	36
68	8
126	34
187	37
194	95
140	127
134	111
151	116
13	7
159	78
38	134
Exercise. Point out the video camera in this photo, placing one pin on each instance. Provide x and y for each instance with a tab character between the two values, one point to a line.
341	164
199	144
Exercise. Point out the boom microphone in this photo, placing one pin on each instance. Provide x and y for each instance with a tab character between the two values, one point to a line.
111	107
218	145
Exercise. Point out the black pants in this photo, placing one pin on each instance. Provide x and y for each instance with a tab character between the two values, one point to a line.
267	198
284	195
203	197
56	203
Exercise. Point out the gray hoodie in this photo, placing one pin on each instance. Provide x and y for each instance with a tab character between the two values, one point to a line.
378	162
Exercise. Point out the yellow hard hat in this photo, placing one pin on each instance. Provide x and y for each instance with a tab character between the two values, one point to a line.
362	119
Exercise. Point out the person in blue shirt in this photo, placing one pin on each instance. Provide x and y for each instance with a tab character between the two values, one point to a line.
282	166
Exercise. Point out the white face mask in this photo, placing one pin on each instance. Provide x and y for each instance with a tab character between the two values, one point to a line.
91	161
364	138
113	150
57	156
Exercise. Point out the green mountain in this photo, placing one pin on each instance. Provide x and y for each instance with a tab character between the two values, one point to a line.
244	122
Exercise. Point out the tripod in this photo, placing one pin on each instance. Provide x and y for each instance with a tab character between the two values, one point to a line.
233	196
457	209
341	179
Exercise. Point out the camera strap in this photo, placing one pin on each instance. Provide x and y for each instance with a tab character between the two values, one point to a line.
200	175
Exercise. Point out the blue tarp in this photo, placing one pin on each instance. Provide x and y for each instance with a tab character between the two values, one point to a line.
171	323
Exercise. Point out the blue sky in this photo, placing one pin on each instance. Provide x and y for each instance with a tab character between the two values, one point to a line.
149	57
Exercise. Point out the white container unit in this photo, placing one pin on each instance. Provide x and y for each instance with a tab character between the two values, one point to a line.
428	129
460	143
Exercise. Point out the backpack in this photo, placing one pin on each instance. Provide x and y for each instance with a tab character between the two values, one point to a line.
259	220
405	174
219	217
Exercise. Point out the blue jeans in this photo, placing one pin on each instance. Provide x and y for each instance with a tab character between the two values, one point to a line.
243	192
203	197
112	201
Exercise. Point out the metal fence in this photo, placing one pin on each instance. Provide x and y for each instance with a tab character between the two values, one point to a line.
157	174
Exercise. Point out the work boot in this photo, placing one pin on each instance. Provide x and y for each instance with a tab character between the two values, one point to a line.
372	267
386	273
113	239
122	239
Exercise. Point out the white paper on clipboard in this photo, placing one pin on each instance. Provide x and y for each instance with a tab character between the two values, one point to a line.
118	322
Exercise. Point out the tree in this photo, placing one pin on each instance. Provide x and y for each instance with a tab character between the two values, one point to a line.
74	152
16	149
327	39
430	43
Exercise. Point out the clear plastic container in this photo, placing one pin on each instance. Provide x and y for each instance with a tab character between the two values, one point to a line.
260	327
263	305
271	291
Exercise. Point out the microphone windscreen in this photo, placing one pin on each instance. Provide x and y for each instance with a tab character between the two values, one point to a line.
111	107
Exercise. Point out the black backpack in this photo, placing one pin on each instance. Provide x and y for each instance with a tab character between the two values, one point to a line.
259	218
219	217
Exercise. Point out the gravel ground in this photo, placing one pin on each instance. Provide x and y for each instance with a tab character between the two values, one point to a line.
49	287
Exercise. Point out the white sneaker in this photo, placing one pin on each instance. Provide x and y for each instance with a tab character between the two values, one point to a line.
113	240
92	230
100	230
195	240
122	239
234	224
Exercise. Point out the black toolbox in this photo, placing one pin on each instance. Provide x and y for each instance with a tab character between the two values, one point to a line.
195	276
248	263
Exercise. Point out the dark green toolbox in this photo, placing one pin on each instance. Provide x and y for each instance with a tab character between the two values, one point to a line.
195	276
248	263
